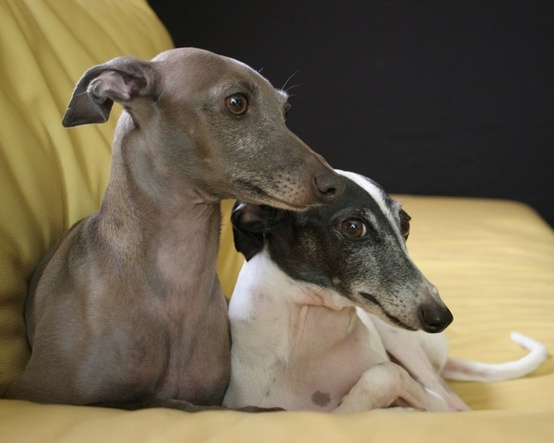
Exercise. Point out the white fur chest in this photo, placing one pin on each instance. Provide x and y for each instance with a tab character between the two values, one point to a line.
294	346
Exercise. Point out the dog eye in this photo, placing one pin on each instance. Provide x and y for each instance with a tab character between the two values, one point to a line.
237	104
354	227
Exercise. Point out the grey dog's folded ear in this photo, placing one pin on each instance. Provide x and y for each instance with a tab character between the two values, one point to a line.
250	224
120	80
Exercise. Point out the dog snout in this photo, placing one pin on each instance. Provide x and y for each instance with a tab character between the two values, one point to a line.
328	185
434	318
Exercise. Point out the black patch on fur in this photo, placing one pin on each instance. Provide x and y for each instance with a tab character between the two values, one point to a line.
392	318
312	246
321	399
250	222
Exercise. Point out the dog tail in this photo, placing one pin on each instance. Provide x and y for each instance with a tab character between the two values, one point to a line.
464	370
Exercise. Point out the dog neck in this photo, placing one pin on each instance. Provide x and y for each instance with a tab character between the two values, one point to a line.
287	310
147	210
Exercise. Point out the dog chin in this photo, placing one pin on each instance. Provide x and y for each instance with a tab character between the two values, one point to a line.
397	322
372	305
393	321
287	205
252	194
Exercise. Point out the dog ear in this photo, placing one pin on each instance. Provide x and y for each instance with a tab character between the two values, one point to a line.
120	80
248	229
250	224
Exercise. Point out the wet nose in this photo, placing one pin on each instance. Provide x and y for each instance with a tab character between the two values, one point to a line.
329	186
434	318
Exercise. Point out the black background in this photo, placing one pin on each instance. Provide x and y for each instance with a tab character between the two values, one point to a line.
425	97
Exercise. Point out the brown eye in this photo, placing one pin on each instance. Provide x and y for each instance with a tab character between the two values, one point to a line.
237	104
404	224
354	227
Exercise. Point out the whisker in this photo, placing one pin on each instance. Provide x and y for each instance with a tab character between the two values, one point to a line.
284	87
293	86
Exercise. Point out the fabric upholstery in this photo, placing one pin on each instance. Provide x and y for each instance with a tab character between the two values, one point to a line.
493	261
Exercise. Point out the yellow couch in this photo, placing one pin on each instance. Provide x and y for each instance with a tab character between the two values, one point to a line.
492	260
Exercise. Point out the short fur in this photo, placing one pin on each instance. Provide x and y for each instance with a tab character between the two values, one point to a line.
127	306
330	314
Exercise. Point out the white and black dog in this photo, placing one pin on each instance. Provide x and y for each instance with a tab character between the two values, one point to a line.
329	312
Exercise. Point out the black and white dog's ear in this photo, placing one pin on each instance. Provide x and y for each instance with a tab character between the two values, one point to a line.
250	224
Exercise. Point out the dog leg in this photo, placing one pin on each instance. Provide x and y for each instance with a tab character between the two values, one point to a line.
423	355
386	385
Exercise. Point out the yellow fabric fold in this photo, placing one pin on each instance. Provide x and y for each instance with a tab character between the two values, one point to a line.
493	261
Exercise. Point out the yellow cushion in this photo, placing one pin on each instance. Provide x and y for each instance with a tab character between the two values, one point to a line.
492	260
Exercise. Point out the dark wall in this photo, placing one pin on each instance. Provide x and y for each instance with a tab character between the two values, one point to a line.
426	97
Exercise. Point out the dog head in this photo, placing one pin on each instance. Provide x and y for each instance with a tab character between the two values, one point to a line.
209	120
354	247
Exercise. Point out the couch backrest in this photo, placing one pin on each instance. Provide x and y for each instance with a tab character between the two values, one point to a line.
50	176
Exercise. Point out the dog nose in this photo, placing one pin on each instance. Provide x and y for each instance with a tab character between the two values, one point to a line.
434	318
329	186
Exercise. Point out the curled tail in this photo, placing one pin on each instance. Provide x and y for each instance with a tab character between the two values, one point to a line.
464	370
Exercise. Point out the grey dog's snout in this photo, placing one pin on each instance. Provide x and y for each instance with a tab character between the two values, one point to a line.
434	318
329	186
